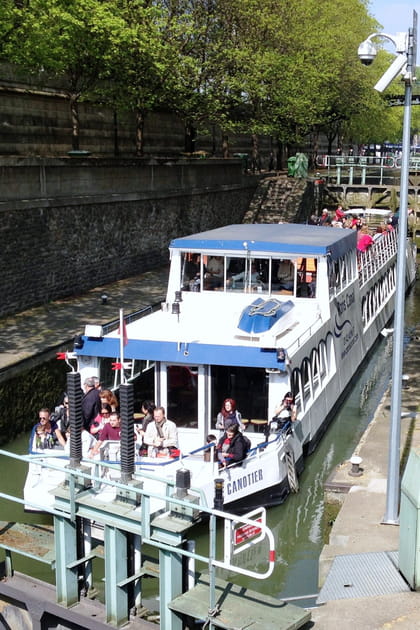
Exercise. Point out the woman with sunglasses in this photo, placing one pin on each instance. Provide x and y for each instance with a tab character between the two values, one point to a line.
101	420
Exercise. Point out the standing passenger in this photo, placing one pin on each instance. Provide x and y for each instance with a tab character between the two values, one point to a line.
228	415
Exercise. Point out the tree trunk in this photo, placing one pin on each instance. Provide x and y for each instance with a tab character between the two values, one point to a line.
255	154
116	139
75	122
190	133
225	146
139	132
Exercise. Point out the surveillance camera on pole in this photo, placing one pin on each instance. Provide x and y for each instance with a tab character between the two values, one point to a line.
405	61
367	53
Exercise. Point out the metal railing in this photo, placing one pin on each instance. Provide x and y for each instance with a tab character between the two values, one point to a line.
362	168
142	523
376	256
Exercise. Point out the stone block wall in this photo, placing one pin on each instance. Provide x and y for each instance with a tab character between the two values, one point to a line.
56	245
36	121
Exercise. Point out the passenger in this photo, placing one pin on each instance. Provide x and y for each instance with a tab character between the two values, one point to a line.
147	408
212	442
101	420
379	233
161	435
111	431
243	276
364	239
61	415
214	273
192	267
228	415
286	275
109	398
88	442
232	447
47	430
284	414
325	219
339	214
90	402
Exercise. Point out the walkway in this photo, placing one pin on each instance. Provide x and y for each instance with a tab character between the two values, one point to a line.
45	328
360	594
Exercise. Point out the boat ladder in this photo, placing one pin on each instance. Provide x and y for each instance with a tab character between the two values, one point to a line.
291	471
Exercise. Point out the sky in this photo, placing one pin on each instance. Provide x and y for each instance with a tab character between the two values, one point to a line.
394	16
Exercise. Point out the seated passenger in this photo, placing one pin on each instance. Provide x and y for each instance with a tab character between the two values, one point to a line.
161	435
232	447
228	415
47	430
286	275
244	278
214	273
284	414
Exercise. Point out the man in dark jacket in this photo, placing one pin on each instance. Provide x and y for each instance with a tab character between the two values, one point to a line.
91	403
232	446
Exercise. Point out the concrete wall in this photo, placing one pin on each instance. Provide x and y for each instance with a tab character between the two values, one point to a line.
67	226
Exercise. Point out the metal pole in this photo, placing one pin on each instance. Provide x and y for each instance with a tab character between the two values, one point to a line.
393	484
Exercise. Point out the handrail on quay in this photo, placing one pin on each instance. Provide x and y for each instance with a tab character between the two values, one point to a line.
364	168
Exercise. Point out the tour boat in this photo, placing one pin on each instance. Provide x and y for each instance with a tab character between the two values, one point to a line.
287	308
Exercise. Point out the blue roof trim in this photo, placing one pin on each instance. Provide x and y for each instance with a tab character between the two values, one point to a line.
187	353
285	238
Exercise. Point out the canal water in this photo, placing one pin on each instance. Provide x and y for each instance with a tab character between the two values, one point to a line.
299	523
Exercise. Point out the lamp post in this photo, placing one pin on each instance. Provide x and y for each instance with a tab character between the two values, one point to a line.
404	62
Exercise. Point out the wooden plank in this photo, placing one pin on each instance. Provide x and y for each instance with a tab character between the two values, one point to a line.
239	608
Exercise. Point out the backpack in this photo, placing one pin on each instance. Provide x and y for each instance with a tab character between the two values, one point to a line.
247	443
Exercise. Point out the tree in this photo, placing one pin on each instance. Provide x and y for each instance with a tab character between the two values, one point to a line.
68	39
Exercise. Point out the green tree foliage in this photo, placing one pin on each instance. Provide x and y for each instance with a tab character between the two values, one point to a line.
285	69
69	39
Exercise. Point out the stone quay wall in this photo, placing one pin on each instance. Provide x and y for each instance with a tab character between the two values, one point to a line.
68	225
36	121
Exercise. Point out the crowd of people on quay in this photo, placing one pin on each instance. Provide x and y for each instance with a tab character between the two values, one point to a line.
155	435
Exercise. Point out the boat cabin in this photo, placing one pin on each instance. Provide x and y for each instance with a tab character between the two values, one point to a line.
241	299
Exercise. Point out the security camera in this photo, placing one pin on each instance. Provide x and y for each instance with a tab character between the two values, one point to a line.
366	52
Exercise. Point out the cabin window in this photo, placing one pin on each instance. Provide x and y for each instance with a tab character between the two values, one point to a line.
191	271
315	370
322	354
182	401
306	379
306	277
247	386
